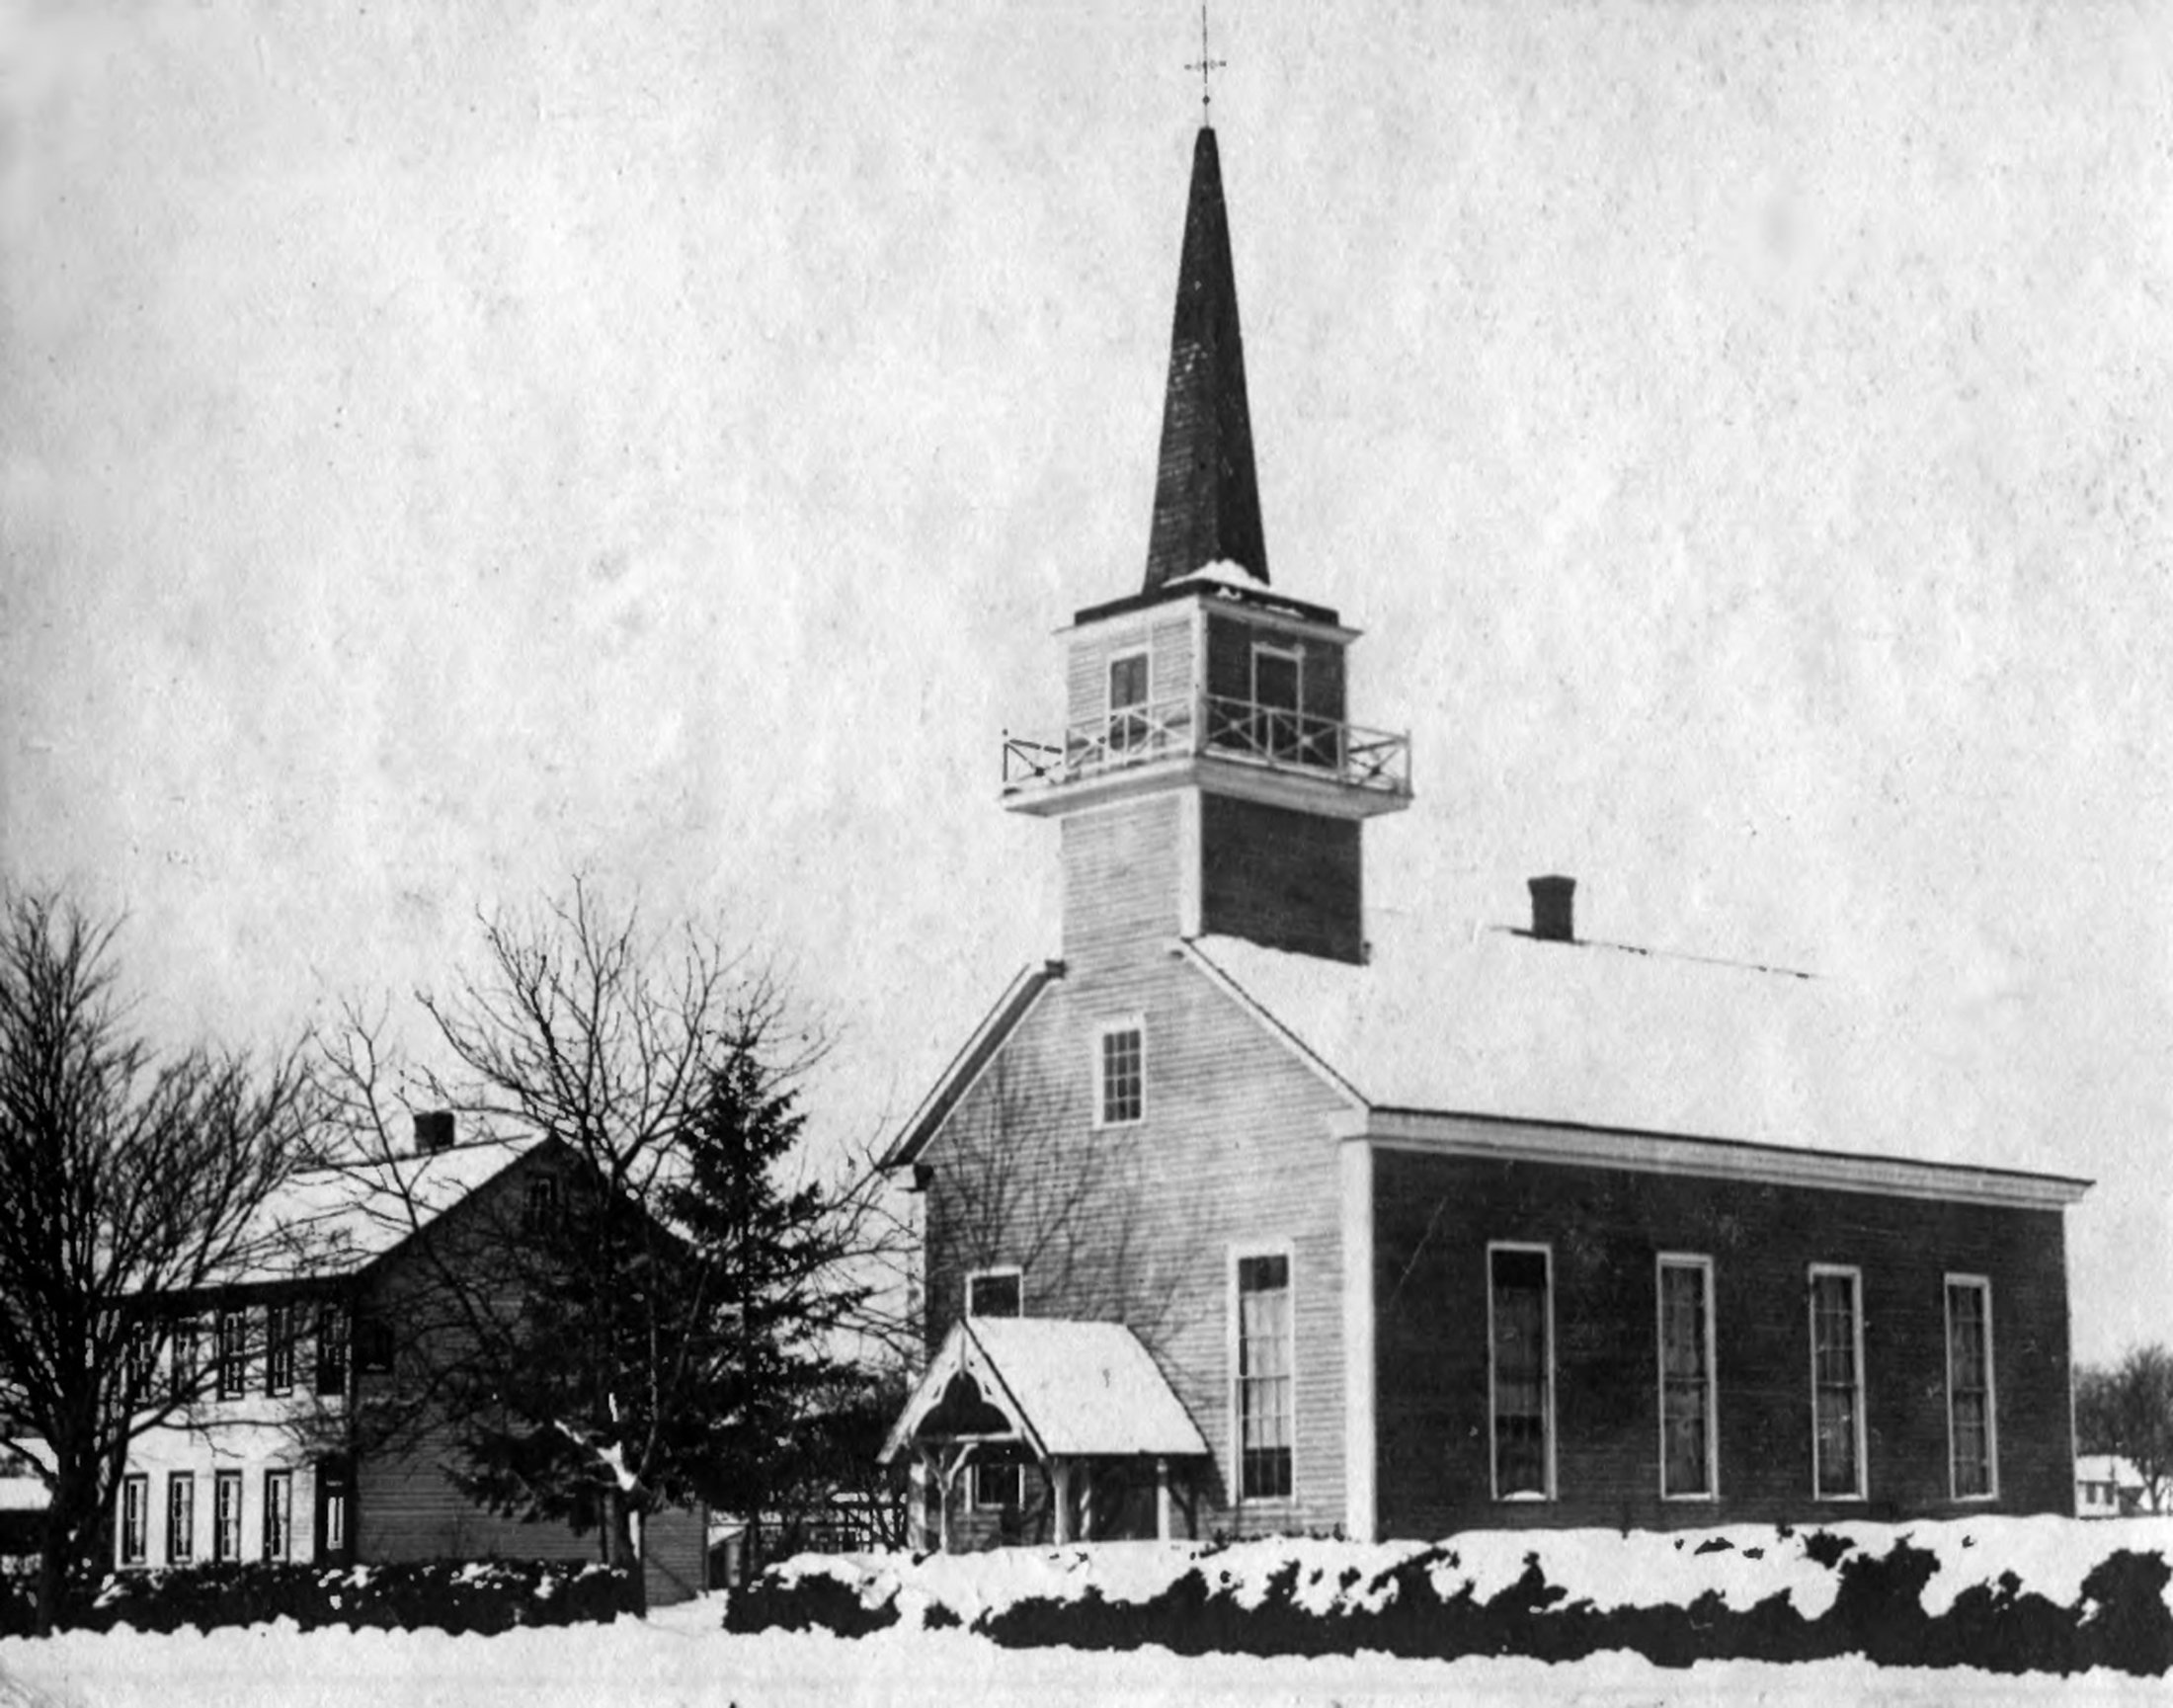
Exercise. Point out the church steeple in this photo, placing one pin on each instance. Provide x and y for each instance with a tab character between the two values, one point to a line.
1207	495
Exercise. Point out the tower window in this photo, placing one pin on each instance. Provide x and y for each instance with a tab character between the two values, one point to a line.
1129	724
1120	1074
1278	686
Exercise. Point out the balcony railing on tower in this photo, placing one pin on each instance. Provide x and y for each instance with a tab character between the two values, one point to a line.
1245	731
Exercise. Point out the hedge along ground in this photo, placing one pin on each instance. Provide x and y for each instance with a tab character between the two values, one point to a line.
483	1597
2000	1594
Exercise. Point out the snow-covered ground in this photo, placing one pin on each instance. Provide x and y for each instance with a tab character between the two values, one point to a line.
680	1656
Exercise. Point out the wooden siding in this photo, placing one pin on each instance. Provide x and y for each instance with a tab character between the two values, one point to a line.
1120	878
1291	880
1136	1223
1435	1215
1170	669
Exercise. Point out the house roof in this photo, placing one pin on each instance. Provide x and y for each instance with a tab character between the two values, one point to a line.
965	1067
1495	1024
1065	1388
1207	495
340	1219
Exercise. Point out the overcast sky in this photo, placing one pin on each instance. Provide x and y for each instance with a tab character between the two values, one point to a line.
448	445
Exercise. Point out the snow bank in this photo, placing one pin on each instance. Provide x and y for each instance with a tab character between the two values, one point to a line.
2048	1594
681	1658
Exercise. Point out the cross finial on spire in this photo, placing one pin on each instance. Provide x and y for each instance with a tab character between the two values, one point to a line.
1204	66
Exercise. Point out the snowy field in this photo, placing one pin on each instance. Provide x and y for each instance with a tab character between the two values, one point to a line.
682	1657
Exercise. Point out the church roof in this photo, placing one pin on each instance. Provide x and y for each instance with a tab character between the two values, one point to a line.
1765	1072
1207	495
1065	1388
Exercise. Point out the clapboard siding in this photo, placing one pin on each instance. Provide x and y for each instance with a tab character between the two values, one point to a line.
1288	879
1233	1151
1434	1216
1120	877
1171	670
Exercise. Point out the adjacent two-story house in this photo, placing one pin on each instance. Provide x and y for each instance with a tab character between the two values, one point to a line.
305	1429
1248	1214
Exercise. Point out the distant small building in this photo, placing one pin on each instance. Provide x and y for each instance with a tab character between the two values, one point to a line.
2107	1487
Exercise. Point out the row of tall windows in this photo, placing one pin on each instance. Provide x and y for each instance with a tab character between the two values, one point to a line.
1521	1379
261	1350
274	1516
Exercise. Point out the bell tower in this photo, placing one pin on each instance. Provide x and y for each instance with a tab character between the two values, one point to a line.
1208	780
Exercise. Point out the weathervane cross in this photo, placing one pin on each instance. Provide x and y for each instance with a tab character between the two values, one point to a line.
1205	66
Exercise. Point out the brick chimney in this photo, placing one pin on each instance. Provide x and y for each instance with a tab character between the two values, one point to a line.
1554	909
432	1131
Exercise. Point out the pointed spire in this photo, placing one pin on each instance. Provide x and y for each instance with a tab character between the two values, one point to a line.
1207	497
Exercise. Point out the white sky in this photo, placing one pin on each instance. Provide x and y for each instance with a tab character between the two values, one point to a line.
448	445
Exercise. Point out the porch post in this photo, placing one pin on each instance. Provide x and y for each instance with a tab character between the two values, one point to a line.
1060	1498
1163	1525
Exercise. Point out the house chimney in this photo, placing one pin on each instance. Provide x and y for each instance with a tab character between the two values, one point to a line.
1554	910
432	1131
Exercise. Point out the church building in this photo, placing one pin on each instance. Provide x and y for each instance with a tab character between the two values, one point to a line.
1241	1218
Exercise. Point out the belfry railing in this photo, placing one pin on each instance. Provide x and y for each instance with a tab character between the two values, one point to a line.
1247	732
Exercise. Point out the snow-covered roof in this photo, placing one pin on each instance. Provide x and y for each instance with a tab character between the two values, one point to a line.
336	1220
1065	1388
1495	1024
2107	1468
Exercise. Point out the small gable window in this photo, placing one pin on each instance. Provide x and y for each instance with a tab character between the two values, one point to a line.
539	1209
1120	1073
993	1293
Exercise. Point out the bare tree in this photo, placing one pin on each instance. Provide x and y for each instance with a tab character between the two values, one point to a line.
2126	1408
681	1306
128	1180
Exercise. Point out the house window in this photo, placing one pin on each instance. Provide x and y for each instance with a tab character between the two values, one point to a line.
233	1354
135	1501
186	1358
1120	1074
226	1516
278	1514
1837	1384
1970	1440
1521	1312
279	1349
1277	684
994	1293
1265	1402
372	1342
539	1209
1688	1449
138	1365
331	1509
181	1517
331	1348
1129	723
